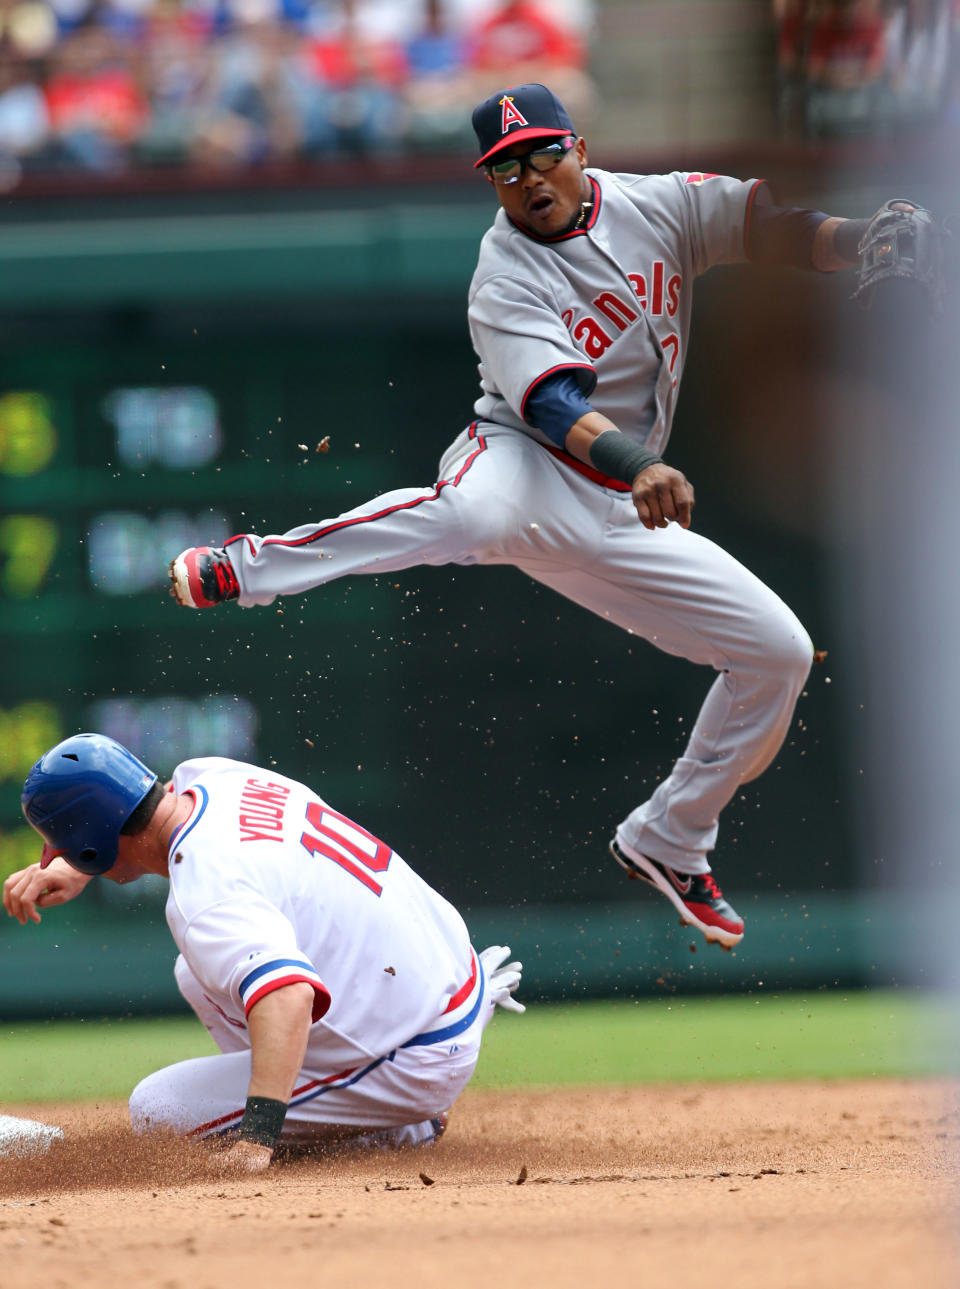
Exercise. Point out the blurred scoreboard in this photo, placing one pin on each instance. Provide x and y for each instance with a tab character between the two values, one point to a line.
107	470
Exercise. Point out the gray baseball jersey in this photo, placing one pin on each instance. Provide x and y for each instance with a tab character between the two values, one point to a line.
610	301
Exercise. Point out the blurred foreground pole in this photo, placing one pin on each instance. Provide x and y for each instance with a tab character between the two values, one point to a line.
896	519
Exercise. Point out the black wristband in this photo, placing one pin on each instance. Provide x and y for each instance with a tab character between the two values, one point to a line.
847	236
618	457
262	1121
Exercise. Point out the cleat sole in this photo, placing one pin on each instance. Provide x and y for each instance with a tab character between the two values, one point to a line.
180	583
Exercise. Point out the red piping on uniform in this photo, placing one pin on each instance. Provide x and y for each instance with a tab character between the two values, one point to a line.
464	991
317	1083
587	470
215	1123
238	1114
746	220
321	994
574	232
462	994
381	514
187	792
549	372
237	1024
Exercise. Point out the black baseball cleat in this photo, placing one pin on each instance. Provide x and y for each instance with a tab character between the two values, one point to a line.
203	576
696	896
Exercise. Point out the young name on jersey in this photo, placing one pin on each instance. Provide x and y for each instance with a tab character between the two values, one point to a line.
262	807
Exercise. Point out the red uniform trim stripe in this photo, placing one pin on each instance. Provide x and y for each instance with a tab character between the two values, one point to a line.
187	792
574	232
749	213
238	1114
320	1083
462	994
588	471
465	990
321	533
321	999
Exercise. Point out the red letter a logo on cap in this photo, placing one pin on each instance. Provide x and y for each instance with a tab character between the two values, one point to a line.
511	115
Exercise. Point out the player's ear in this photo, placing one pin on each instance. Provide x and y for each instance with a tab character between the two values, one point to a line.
580	148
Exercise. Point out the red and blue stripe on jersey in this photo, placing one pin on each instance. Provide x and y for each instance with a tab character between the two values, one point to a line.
201	800
274	973
467	1000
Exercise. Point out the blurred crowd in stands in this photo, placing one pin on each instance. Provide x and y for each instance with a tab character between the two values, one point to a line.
106	85
869	66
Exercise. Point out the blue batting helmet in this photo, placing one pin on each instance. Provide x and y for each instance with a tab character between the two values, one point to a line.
80	794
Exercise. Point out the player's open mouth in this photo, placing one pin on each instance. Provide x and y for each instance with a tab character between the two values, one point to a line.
541	205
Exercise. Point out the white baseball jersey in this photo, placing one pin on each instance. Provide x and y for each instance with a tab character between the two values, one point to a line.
610	301
270	885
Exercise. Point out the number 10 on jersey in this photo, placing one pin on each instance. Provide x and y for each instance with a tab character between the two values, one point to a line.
336	837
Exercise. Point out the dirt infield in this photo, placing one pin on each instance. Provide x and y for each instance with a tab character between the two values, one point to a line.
755	1185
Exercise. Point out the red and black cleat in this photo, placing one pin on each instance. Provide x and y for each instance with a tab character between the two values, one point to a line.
696	896
203	576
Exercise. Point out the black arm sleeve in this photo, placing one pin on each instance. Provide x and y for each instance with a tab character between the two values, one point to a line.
846	240
782	234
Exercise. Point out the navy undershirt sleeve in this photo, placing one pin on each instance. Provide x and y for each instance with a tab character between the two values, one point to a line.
782	234
555	405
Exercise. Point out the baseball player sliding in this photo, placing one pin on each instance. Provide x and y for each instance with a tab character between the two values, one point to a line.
342	991
579	312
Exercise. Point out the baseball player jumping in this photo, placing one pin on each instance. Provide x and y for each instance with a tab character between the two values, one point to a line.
342	991
579	312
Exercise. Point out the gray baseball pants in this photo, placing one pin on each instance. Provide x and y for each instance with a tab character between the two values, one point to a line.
503	499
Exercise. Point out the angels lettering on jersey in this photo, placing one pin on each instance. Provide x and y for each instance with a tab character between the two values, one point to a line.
655	292
611	314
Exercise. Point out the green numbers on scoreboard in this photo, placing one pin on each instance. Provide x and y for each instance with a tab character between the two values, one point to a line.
28	544
28	436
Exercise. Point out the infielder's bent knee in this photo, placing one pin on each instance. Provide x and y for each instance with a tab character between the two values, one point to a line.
790	653
781	648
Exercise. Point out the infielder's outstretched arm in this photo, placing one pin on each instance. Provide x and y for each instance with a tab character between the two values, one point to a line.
661	493
831	254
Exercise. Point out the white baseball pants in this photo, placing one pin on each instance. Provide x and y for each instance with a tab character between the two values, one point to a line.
504	499
206	1096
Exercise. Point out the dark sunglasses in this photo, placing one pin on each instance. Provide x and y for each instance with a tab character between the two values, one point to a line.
542	159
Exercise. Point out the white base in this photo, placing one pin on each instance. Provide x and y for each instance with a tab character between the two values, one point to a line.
25	1136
